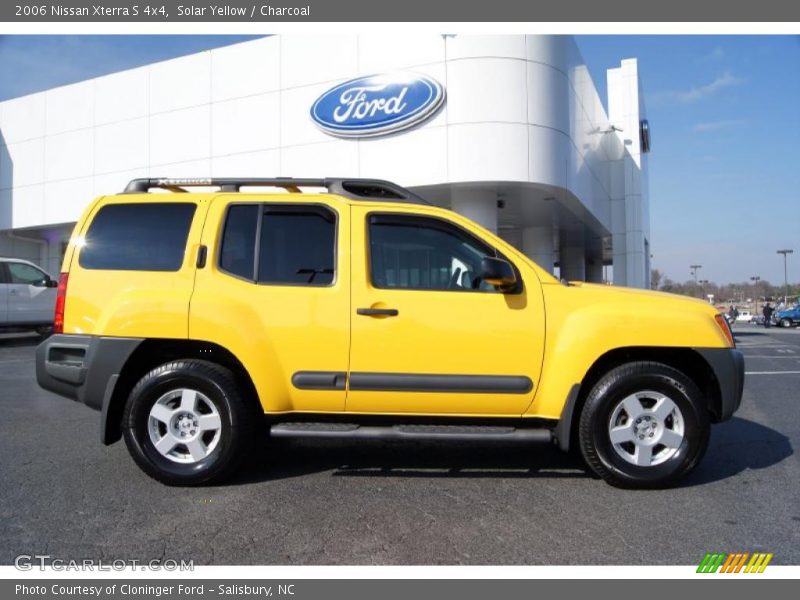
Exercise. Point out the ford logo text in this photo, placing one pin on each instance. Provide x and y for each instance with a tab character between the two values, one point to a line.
377	105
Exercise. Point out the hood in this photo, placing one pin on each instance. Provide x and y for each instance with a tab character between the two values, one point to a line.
632	316
628	291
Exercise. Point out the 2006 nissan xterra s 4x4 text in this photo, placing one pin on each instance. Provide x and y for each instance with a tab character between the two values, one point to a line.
195	320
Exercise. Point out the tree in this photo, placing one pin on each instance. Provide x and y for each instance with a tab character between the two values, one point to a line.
655	279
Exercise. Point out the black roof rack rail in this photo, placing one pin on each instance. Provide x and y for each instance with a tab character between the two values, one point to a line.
356	189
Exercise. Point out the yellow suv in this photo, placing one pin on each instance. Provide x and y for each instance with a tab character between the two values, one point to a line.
195	321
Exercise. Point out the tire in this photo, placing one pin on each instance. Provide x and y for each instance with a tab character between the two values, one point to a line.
187	423
786	323
44	332
669	408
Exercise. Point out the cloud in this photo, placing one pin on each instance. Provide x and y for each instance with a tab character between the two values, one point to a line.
707	126
696	94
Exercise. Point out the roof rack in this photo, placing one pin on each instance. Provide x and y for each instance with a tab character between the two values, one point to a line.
356	189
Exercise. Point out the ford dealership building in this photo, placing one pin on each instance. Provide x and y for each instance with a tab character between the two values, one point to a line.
508	130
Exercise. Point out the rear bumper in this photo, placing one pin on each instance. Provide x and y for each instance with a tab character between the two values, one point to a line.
82	367
728	367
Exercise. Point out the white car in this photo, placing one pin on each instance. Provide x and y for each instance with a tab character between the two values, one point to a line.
744	316
27	296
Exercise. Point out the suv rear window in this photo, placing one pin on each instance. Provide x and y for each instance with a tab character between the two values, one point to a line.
138	237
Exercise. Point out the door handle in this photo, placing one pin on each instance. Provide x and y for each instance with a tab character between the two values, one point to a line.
378	312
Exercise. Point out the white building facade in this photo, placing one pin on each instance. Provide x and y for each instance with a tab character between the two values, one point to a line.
521	142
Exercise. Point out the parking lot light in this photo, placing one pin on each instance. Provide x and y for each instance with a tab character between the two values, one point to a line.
785	252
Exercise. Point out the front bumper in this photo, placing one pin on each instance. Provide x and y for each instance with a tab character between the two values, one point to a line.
83	367
728	367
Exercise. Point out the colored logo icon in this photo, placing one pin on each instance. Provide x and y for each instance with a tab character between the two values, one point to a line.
739	562
377	104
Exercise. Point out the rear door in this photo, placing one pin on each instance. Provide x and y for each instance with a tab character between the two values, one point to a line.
29	298
276	293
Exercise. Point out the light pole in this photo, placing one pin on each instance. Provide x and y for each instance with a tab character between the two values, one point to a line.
693	269
755	279
785	252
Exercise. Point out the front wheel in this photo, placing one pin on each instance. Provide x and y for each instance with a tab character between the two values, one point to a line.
187	423
786	323
644	425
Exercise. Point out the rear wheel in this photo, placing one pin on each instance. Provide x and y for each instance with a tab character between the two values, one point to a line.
44	331
187	423
786	323
644	425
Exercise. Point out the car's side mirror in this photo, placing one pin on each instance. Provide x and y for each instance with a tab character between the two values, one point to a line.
499	273
51	283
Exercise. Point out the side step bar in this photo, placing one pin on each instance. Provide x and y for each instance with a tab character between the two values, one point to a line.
455	433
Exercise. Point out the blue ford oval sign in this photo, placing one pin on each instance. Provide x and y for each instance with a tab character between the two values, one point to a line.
377	105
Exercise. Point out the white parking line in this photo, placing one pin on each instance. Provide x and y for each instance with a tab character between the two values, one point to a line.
772	372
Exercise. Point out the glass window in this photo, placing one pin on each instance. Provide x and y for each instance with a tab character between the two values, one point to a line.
27	274
429	254
138	237
297	245
237	255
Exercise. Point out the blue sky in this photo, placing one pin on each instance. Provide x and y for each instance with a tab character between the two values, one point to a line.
724	113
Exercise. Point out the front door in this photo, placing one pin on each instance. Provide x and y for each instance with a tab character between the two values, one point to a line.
428	336
30	300
3	294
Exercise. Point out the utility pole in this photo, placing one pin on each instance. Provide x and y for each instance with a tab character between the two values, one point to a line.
785	252
755	279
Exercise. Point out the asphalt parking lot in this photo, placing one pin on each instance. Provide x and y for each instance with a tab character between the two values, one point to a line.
64	494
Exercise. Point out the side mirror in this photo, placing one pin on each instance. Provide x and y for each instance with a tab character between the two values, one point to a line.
51	283
498	272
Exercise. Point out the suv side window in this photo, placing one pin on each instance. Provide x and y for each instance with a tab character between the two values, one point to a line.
24	274
280	244
237	255
138	237
412	252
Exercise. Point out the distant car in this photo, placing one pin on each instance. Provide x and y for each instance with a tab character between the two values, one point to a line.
744	316
788	317
27	297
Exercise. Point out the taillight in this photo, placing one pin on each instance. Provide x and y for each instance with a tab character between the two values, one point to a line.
61	300
726	329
